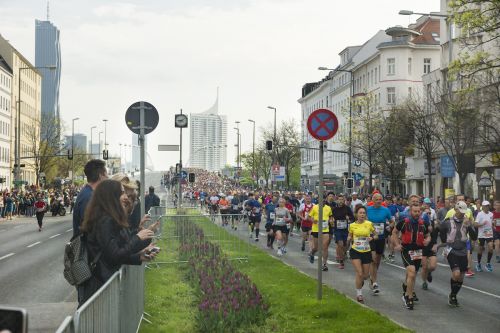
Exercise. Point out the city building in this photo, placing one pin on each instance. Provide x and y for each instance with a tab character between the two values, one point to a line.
48	54
208	139
79	143
387	69
5	125
27	80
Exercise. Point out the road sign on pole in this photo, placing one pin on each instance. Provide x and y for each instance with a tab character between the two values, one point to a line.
322	124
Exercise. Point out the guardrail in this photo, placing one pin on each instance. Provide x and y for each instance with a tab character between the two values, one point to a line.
117	307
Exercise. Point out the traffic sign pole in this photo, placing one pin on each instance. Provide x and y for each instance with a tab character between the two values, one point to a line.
320	223
142	161
179	201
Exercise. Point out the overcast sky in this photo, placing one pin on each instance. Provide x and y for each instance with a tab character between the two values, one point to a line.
175	53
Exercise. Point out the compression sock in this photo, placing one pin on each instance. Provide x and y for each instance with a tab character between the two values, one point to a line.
479	257
455	286
490	254
257	232
268	239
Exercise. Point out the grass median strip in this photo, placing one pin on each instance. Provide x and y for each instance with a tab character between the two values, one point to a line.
291	295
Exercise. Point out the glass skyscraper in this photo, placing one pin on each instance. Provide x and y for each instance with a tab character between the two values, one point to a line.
48	53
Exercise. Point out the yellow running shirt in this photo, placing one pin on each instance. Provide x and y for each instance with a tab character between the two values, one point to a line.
360	233
314	214
451	213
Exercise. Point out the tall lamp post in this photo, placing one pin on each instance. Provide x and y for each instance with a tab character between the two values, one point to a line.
351	94
17	146
73	150
274	144
253	150
92	142
101	132
105	143
238	142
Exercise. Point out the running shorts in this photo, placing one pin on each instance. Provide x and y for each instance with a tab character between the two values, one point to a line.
378	245
281	228
457	262
254	219
305	229
482	241
496	235
365	257
427	251
407	261
341	236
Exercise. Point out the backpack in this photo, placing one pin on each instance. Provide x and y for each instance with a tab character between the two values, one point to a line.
77	268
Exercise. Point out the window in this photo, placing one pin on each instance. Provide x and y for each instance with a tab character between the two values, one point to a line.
409	66
391	66
376	75
391	95
427	65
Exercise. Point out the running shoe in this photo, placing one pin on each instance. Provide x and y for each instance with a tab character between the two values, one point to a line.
375	289
325	268
311	259
414	298
425	286
408	302
452	301
404	288
280	253
489	268
256	239
303	248
283	249
429	277
469	273
341	266
478	268
360	299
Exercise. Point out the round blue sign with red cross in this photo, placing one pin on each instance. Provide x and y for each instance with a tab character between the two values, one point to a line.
322	124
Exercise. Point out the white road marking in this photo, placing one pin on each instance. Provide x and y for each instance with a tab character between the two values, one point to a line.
31	245
69	230
7	255
54	236
463	286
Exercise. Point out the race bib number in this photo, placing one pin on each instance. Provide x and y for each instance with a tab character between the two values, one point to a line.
288	225
256	210
325	226
415	254
497	222
279	220
361	244
488	232
379	229
235	207
271	216
341	224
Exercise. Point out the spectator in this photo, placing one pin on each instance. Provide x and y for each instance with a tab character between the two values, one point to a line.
151	199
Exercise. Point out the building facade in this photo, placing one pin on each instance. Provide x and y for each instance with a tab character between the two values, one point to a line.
208	139
5	125
79	142
48	54
387	69
25	99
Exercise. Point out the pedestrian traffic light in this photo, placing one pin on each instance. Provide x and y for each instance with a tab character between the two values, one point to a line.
70	154
105	154
269	145
350	183
191	177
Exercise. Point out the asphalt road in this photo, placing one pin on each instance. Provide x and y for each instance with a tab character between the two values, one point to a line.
31	266
479	297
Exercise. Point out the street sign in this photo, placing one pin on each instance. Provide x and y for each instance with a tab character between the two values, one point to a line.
485	180
275	169
322	124
133	117
184	174
168	147
357	163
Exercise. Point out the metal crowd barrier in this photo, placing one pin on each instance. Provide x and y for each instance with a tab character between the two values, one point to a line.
117	307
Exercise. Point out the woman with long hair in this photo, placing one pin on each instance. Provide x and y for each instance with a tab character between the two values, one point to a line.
106	228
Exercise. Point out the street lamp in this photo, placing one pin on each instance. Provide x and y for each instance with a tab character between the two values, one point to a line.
274	143
448	23
72	150
91	142
17	146
253	149
101	132
105	143
238	143
351	94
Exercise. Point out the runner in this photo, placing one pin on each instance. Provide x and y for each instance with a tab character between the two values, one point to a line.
214	208
224	210
484	224
270	209
342	217
496	234
254	207
306	221
330	201
355	201
414	237
382	220
429	259
280	225
40	208
235	210
361	233
325	225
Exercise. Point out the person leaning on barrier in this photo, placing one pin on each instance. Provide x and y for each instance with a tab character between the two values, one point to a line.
106	227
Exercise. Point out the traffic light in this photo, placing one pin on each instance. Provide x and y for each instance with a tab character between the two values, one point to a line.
105	154
350	183
191	177
70	154
269	145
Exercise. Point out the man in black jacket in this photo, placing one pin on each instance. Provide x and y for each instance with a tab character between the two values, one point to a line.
151	199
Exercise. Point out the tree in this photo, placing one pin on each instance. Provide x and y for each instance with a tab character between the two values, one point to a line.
419	117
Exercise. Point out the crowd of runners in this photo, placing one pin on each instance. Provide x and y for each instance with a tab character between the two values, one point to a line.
370	230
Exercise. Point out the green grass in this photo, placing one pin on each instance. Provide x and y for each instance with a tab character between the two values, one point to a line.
290	294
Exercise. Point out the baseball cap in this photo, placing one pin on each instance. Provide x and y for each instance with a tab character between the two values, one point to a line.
485	203
427	200
461	206
354	193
